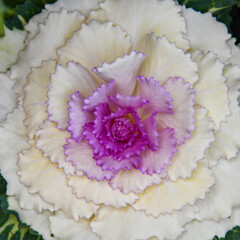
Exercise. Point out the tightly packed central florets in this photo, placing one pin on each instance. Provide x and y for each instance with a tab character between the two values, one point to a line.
121	129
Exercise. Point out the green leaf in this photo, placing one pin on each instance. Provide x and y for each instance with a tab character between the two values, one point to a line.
11	12
11	228
208	5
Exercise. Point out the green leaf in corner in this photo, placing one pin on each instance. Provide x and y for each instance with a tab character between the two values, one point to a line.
11	228
233	234
208	5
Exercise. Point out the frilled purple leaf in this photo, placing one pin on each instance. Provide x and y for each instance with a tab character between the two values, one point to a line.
155	161
109	164
77	116
123	101
159	100
100	96
97	147
101	112
151	129
81	156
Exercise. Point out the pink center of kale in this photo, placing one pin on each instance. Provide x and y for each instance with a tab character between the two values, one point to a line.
122	129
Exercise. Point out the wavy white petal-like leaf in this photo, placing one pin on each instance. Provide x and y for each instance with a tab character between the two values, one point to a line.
128	224
13	140
33	25
7	96
66	81
182	119
227	141
68	229
123	71
35	97
100	192
193	150
94	44
163	60
212	90
84	6
45	44
225	194
207	229
139	18
37	221
235	52
41	176
206	34
51	141
10	46
134	180
169	195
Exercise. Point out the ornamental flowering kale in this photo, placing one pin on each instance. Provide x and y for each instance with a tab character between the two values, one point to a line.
126	123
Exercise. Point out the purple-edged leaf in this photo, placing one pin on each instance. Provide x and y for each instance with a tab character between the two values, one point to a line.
156	161
159	100
101	112
150	127
81	156
123	70
77	116
182	119
109	164
97	147
128	101
100	96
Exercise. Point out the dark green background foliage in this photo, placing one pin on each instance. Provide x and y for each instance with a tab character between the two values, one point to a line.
11	12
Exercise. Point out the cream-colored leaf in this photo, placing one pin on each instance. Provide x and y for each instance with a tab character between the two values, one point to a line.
84	6
7	96
211	89
44	45
51	141
100	192
68	229
128	224
193	150
224	194
94	44
35	97
164	60
33	25
10	46
235	52
66	81
207	229
169	196
140	17
206	34
41	176
134	180
227	140
13	140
